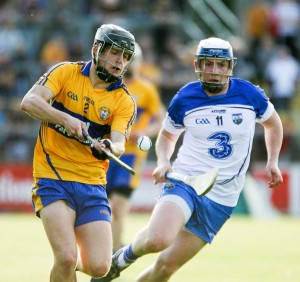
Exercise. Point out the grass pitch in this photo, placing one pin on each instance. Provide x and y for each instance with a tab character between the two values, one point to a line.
245	250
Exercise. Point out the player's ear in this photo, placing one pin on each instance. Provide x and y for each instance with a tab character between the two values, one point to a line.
94	48
195	64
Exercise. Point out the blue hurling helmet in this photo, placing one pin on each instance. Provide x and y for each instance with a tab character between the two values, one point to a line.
113	37
217	49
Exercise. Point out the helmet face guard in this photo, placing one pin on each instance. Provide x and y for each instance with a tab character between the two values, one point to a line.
112	39
214	63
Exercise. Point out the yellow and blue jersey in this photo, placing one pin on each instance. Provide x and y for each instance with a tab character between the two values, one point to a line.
60	156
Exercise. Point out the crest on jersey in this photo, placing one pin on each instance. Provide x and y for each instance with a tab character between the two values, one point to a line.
104	113
237	118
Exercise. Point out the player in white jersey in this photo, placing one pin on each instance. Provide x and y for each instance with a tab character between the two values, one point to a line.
217	115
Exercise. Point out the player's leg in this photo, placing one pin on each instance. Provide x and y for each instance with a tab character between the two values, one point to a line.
166	221
120	206
204	223
58	220
185	247
93	229
95	247
119	190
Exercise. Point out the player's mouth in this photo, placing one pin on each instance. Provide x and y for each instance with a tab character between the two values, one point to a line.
115	68
214	80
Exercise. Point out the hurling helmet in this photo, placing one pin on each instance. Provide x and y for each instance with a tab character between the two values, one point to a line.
217	49
113	37
138	53
136	62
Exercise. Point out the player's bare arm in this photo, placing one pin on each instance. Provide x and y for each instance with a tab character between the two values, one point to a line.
273	139
164	148
36	104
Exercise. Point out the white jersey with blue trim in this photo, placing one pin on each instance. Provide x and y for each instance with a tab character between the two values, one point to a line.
219	132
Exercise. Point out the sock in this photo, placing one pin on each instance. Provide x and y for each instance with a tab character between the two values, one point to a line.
127	257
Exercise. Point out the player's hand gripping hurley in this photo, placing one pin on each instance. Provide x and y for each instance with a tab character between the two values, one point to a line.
201	183
110	154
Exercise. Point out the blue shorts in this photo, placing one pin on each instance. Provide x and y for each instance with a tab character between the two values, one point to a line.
117	176
118	179
204	217
88	201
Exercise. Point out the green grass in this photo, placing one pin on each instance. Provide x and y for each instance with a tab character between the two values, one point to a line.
245	250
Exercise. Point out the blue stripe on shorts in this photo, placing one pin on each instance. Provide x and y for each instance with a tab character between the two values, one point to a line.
88	201
206	216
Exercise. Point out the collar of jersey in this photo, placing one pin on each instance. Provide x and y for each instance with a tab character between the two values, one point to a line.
85	70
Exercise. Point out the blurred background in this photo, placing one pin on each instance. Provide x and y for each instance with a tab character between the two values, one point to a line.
265	35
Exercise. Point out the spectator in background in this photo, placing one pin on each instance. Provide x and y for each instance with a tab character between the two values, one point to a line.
33	11
174	64
53	52
257	25
246	67
286	17
59	21
12	41
267	52
150	114
150	68
282	73
12	49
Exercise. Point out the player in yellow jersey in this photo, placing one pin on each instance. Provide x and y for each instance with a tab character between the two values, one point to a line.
150	114
69	172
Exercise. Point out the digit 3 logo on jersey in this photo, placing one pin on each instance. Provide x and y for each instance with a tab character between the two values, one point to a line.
104	113
222	145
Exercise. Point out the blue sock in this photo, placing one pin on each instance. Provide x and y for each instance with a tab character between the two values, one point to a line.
127	257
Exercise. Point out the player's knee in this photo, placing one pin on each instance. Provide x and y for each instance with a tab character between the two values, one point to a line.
67	261
156	244
99	270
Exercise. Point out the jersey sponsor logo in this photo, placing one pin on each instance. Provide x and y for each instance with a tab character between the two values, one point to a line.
202	121
104	113
237	118
62	130
73	96
223	111
89	100
222	148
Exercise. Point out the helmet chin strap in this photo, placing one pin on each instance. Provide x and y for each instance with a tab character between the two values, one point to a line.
103	74
213	87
